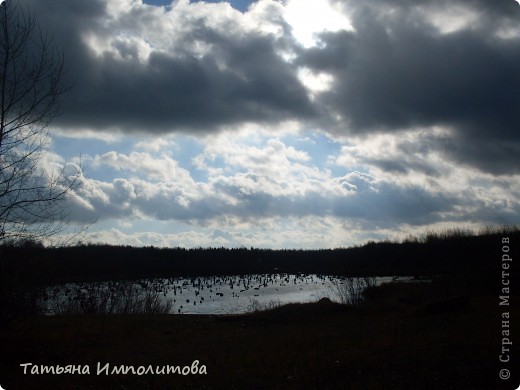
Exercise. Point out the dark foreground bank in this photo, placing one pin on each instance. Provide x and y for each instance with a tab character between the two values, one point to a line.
441	335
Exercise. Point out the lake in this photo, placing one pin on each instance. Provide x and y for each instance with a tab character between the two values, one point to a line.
216	294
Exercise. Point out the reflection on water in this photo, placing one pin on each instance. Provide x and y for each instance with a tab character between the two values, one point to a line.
225	294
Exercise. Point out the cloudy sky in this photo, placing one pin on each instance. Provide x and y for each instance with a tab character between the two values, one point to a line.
287	124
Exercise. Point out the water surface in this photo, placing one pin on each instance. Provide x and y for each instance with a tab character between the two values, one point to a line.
223	294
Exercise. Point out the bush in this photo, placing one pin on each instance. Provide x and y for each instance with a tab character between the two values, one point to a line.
256	307
113	298
350	290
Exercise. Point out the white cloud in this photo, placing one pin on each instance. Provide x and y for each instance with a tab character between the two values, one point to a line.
411	159
309	232
162	168
450	18
88	134
143	29
311	17
155	144
315	82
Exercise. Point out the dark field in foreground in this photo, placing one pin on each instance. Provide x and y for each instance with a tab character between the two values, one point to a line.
397	339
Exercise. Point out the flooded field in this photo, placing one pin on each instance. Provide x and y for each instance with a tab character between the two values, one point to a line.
207	295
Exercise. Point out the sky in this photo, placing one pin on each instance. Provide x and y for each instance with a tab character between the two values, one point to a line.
286	124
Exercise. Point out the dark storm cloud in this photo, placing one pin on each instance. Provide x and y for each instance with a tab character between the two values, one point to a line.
398	71
395	71
240	79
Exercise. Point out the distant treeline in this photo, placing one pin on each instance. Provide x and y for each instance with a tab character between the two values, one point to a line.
453	252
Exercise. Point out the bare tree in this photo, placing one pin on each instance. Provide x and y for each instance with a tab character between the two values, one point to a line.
31	83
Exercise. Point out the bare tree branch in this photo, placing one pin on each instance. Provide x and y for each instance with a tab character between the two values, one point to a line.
31	85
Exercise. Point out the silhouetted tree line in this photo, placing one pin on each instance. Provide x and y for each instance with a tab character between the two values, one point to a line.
456	253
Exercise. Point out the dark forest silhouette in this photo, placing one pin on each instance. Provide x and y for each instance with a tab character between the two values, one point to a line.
455	252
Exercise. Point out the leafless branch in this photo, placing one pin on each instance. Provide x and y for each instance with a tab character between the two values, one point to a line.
31	85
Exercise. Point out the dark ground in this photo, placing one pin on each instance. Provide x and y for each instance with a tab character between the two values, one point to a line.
405	336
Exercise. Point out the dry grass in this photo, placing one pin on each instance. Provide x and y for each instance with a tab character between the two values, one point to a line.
125	297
